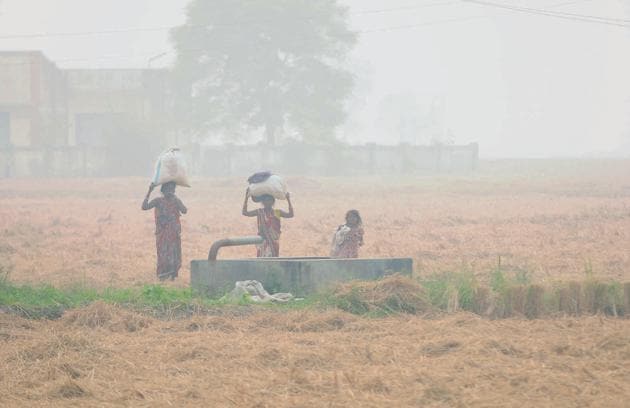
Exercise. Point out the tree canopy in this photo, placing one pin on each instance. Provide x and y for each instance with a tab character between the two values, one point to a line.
265	65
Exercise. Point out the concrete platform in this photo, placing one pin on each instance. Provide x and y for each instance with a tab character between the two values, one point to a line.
299	276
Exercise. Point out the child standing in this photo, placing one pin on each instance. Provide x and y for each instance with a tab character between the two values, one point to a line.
348	237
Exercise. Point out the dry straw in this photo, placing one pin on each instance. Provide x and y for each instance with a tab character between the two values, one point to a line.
314	358
393	294
92	231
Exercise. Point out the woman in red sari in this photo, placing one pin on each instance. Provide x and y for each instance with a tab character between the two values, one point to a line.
168	229
269	225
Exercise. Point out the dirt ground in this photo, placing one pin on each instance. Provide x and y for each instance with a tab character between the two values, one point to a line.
102	356
549	220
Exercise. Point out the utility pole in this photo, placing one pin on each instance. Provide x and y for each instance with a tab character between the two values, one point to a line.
156	57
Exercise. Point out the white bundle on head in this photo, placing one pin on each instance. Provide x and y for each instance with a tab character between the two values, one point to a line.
171	167
273	186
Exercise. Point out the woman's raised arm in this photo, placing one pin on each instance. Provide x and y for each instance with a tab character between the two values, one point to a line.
146	205
289	214
246	212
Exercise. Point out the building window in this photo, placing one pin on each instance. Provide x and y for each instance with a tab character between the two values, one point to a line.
95	129
5	129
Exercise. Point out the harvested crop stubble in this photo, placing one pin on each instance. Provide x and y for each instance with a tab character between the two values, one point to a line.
551	227
102	315
392	294
310	358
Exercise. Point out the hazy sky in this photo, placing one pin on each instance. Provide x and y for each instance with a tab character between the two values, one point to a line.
520	85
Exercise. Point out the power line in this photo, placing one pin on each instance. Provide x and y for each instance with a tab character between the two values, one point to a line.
425	24
569	3
91	59
377	30
83	33
563	15
557	14
384	29
570	16
455	20
621	20
403	8
233	24
612	19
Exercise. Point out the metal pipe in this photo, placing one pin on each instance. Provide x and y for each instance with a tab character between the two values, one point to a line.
214	249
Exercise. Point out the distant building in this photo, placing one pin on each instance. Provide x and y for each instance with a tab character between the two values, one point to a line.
109	122
99	101
33	101
52	119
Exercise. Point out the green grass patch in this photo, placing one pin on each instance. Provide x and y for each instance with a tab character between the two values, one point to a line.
504	296
451	291
49	301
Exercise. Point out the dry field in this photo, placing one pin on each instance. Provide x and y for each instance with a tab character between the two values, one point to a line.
553	221
104	357
550	220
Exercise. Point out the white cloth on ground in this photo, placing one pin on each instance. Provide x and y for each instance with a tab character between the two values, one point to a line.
257	292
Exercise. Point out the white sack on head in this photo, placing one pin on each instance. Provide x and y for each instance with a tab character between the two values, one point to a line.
171	166
273	186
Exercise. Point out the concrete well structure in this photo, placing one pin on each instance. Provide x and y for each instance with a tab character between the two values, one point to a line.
299	276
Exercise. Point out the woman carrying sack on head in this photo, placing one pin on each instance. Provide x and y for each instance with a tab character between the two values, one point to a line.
269	225
168	229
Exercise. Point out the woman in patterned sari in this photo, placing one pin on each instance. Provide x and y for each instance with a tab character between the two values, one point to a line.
269	225
167	229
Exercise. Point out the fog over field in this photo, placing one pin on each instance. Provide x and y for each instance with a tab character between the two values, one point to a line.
519	84
342	203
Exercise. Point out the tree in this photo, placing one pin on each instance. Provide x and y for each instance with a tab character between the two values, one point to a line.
265	65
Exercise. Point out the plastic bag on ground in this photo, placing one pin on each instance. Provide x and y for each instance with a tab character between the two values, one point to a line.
171	166
274	186
257	292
